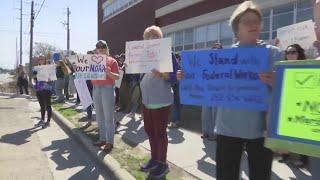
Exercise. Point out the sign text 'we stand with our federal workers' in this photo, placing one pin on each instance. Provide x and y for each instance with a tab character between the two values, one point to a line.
226	78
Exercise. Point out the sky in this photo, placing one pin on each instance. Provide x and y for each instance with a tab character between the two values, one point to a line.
48	27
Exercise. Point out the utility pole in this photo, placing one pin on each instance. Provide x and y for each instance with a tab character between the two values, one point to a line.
68	31
20	32
31	40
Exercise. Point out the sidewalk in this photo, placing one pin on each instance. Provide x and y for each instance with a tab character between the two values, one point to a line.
188	151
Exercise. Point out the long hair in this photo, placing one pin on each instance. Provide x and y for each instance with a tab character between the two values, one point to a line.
300	51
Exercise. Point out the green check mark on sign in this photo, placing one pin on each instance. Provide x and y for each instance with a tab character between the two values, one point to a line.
305	80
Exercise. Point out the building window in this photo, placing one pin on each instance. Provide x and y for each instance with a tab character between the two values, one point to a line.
115	6
200	37
188	39
265	34
178	41
304	10
212	34
282	16
171	35
226	34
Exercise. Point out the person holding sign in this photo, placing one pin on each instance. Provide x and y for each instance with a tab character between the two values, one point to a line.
239	129
104	99
43	93
294	52
157	98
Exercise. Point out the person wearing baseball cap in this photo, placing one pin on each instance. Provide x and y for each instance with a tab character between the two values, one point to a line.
104	99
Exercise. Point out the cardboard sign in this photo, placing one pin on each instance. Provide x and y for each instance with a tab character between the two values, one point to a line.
83	92
300	33
144	56
226	78
295	117
46	72
90	67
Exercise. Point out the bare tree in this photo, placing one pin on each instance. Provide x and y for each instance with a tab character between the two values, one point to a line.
44	49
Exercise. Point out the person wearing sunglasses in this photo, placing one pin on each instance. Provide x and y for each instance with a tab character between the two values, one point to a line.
295	52
292	53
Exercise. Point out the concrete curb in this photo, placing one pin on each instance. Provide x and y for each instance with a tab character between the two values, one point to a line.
113	167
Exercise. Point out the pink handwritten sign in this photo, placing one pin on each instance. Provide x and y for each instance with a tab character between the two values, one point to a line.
90	67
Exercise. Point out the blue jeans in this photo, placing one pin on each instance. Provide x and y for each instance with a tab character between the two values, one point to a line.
103	100
176	110
59	86
315	168
208	118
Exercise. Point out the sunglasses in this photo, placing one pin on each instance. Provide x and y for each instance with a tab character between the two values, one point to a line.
101	47
291	52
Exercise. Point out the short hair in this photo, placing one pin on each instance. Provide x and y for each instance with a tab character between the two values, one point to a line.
149	31
244	7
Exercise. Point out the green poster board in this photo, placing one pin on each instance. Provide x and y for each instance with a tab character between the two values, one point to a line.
295	115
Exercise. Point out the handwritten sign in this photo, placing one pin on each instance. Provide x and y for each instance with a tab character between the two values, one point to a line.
225	78
118	82
83	92
46	72
90	67
144	56
300	33
295	117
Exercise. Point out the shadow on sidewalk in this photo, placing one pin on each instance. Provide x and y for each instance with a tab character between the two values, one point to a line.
175	136
205	163
132	132
20	137
66	157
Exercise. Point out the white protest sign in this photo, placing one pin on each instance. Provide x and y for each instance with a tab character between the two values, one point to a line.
46	72
118	82
83	92
300	33
144	56
90	67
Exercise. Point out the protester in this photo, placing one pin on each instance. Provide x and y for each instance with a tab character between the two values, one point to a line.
315	161
104	99
157	98
43	93
176	110
22	81
135	98
117	90
66	72
244	129
294	52
90	88
124	91
59	84
208	114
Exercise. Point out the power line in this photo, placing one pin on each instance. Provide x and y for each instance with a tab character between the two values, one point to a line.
39	9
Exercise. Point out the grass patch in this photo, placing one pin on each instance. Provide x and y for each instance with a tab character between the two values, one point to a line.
130	163
67	112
